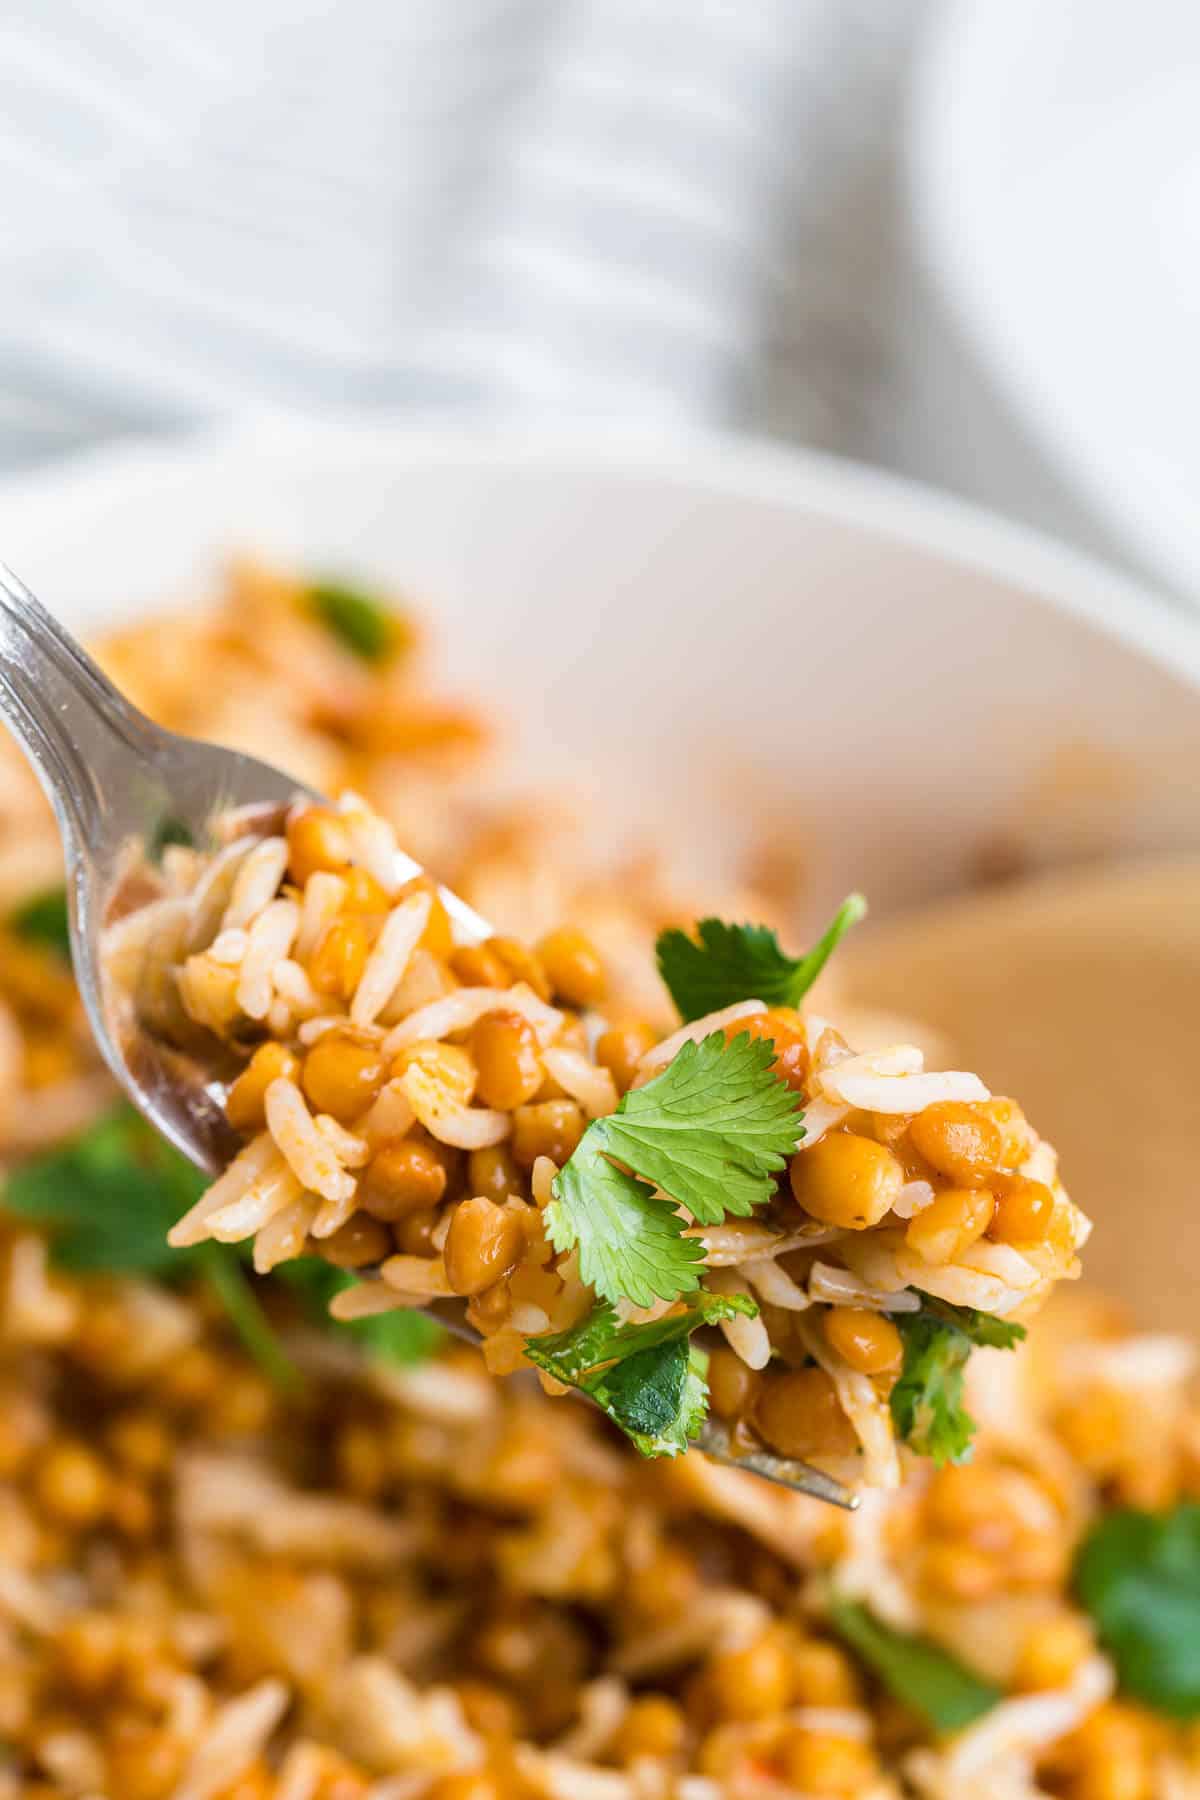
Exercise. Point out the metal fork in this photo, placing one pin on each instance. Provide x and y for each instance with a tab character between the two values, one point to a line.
119	785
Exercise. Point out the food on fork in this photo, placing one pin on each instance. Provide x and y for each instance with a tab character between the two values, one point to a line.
464	1119
251	1552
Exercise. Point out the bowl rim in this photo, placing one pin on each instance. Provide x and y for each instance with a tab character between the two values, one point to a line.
851	494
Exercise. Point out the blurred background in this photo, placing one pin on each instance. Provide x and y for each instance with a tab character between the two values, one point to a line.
954	239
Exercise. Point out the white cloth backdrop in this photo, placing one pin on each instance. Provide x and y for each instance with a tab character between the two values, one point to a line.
651	209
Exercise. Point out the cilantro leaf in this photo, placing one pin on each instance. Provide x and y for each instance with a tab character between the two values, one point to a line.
927	1400
710	1132
45	920
726	963
927	1404
363	624
1138	1575
985	1330
914	1670
108	1199
648	1378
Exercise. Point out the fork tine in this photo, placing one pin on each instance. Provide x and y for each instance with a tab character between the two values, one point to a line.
783	1470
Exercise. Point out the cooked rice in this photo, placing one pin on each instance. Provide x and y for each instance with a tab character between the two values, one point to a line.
416	1583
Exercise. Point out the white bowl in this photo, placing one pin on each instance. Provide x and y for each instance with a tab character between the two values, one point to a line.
735	640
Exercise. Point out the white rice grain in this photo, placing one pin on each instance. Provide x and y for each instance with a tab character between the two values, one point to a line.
284	1235
373	843
279	1019
820	1116
541	1180
229	947
858	1087
462	1009
389	957
236	1736
292	984
309	1153
661	1054
257	882
583	1080
247	1167
260	1203
747	1338
421	1275
913	1198
774	1285
463	1127
389	1117
351	1150
209	898
270	938
838	1287
367	1299
324	897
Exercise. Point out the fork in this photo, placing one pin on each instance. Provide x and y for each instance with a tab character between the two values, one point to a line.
120	785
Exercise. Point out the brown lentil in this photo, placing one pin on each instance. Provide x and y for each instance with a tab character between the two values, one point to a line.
573	967
317	841
402	1178
621	1048
550	1128
868	1341
339	957
483	1243
846	1180
245	1104
799	1415
341	1076
733	1386
506	1055
494	1173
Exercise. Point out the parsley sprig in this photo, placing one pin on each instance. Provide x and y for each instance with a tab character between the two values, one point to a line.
709	1133
927	1402
1138	1574
725	963
648	1378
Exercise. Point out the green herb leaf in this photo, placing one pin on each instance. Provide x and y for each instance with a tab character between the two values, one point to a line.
396	1337
1138	1574
711	1131
933	1683
927	1404
727	963
235	1290
927	1401
649	1379
985	1330
169	830
363	624
110	1196
45	920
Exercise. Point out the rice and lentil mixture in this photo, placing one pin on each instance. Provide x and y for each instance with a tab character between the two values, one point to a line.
444	1116
379	1576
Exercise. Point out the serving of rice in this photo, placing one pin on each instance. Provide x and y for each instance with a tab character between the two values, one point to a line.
395	1581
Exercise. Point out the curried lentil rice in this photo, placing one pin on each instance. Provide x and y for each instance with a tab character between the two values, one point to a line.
413	1583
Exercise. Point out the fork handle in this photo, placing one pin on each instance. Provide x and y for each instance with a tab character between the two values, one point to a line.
73	725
